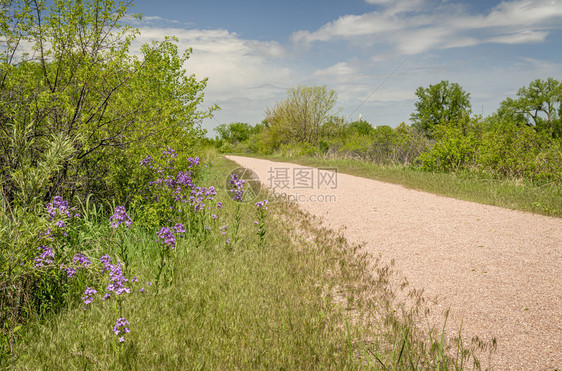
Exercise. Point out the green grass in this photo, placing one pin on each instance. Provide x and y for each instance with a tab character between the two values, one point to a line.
303	300
514	194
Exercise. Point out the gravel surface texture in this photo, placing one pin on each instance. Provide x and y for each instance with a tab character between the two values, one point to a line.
498	270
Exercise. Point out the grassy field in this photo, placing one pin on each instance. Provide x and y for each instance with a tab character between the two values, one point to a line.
509	193
291	296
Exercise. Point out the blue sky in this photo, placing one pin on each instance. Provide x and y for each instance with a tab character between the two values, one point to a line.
373	53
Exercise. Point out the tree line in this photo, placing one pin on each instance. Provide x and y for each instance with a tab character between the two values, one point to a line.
523	138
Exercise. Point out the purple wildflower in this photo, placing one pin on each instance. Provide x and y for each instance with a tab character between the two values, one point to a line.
46	257
116	278
120	216
193	161
120	327
106	260
238	187
169	152
58	207
147	161
60	224
262	204
169	239
70	271
219	205
179	228
81	259
88	296
214	216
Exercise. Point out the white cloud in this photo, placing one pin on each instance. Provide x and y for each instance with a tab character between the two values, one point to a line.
415	26
341	69
230	63
524	37
349	26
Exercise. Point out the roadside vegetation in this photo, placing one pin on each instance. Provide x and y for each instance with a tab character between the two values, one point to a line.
243	284
512	158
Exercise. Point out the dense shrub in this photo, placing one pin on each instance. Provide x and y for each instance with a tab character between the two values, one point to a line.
452	150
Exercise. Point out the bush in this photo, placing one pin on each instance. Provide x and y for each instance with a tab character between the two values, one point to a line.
519	151
452	150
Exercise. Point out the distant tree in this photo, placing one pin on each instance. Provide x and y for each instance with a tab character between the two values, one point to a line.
361	127
442	103
234	132
334	127
301	115
538	105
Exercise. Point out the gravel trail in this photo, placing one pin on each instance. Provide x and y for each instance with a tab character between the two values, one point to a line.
498	270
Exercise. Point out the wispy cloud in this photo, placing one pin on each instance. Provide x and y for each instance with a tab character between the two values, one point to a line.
227	60
416	26
524	37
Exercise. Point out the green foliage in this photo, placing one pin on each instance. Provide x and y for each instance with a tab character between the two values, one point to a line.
234	132
538	105
437	104
300	116
452	150
519	151
82	96
361	127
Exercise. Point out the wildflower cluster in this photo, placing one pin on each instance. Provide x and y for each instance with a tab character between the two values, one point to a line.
120	328
116	278
120	216
168	237
58	207
88	297
59	212
168	188
201	194
147	161
237	187
166	180
46	257
262	204
80	261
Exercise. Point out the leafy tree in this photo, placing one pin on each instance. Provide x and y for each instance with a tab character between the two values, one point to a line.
77	109
538	105
361	127
300	116
442	103
234	132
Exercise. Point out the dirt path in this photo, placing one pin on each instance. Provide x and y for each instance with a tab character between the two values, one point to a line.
499	270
